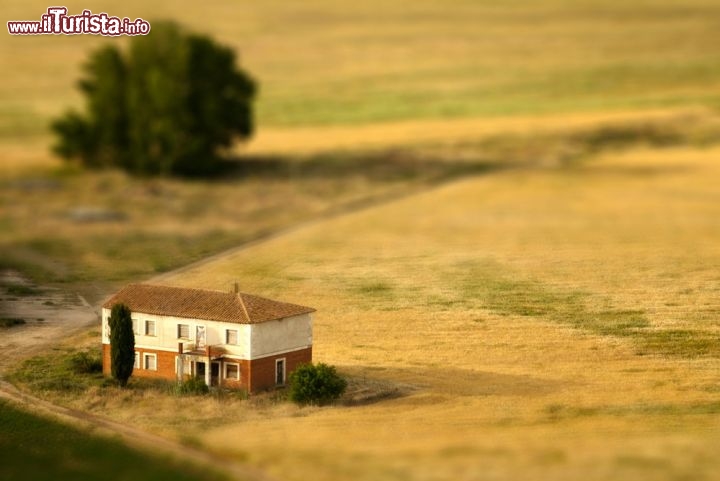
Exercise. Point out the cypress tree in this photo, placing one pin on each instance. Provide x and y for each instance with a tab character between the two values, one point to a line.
122	344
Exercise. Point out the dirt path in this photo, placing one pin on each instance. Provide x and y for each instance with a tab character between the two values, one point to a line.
130	435
47	314
51	315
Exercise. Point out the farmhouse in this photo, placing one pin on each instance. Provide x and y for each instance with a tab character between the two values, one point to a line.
230	339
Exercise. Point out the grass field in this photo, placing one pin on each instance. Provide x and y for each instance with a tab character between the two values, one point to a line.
337	78
551	324
540	287
94	230
74	454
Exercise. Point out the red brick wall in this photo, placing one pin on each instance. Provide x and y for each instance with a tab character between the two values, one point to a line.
262	371
106	359
256	375
165	364
231	383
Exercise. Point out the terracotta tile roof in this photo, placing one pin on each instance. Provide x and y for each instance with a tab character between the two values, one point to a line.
223	306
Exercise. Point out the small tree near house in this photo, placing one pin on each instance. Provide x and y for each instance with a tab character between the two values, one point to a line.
122	344
316	384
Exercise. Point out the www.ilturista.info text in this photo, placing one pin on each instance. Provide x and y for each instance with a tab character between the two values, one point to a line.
57	22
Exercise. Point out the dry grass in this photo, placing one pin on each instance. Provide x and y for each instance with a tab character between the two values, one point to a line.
544	322
329	62
75	228
537	313
538	322
103	228
416	133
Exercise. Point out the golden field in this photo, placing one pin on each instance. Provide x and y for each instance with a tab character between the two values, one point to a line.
505	215
496	305
325	62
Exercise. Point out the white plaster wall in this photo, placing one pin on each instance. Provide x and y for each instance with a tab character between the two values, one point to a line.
166	331
254	340
274	337
105	319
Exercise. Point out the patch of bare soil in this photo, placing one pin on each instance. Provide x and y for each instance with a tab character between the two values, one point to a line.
364	390
49	316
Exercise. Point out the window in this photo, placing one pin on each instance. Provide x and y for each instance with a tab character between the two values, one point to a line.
136	327
200	337
150	362
279	372
232	371
137	360
149	328
183	331
231	336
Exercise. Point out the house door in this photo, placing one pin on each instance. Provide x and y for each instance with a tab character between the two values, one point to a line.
279	372
200	369
214	373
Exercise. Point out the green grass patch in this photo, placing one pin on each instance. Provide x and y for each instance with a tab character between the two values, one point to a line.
622	323
486	286
680	342
67	371
41	449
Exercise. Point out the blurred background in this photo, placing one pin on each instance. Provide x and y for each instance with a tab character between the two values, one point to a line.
354	103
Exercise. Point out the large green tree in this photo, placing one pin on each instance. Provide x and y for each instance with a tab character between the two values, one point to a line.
122	343
168	105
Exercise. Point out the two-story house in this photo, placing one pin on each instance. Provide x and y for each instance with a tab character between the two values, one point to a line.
230	339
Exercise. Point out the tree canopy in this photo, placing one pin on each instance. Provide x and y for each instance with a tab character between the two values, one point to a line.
167	105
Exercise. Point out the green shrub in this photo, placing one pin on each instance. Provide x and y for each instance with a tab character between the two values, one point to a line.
194	386
316	384
85	362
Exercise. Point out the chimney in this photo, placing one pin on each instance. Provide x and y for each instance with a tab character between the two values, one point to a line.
237	288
